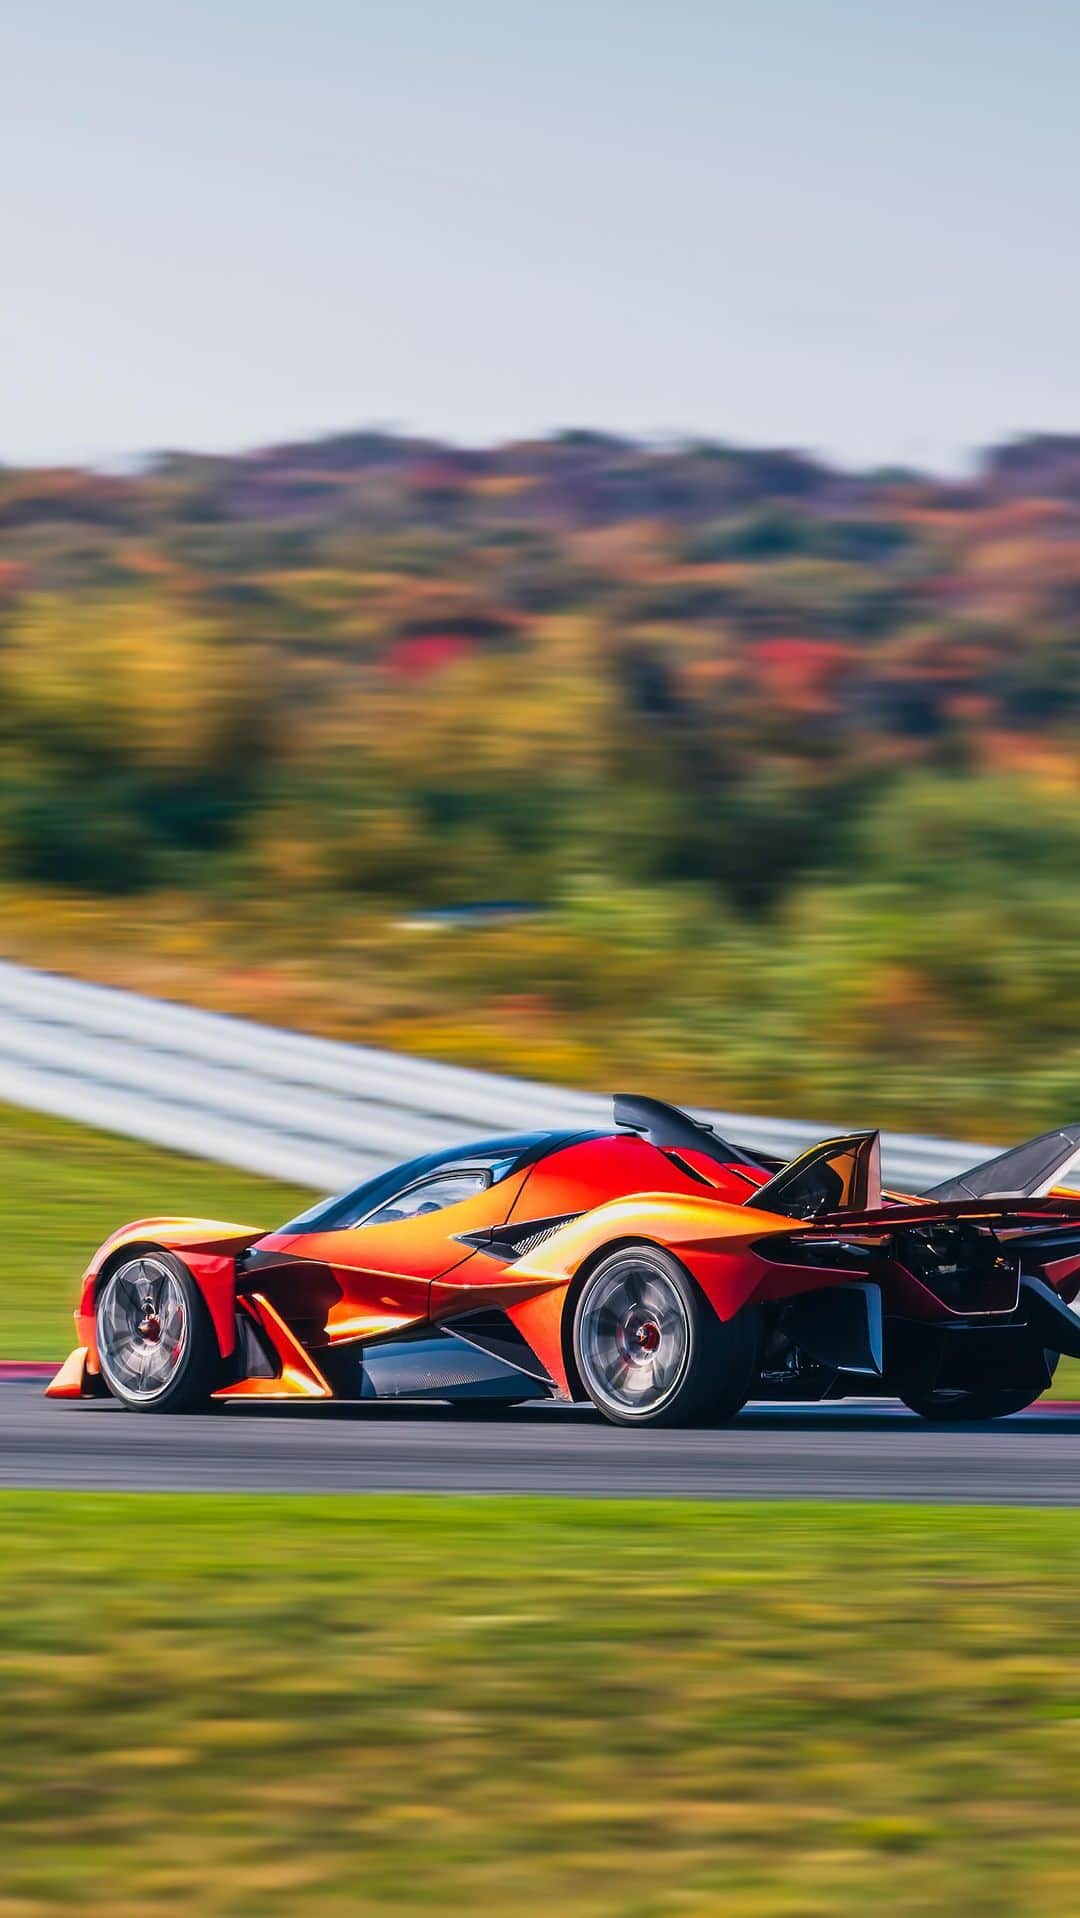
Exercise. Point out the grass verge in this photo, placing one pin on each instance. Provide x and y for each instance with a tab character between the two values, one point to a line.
409	1704
64	1188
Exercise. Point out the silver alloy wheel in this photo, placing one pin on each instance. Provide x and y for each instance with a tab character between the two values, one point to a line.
142	1330
634	1337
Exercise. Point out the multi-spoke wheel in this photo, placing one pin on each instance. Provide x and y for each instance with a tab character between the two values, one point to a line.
651	1351
155	1343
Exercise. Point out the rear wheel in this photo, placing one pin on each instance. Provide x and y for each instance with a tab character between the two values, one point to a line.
956	1407
156	1345
651	1351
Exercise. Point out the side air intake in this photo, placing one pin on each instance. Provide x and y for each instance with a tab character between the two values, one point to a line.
514	1241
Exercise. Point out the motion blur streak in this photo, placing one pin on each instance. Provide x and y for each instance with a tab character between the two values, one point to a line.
718	773
305	1109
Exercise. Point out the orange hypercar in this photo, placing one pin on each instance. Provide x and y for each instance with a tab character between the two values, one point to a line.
659	1270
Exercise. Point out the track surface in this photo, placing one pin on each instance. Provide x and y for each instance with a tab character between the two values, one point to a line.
769	1453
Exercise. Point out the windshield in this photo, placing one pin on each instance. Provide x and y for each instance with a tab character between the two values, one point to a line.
484	1163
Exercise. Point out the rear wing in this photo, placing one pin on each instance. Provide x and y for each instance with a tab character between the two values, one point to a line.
844	1175
1028	1171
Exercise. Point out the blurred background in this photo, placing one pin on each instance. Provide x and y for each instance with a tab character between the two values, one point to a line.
722	772
548	539
684	692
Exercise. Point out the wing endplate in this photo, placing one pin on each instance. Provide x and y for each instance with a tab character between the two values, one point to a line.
839	1175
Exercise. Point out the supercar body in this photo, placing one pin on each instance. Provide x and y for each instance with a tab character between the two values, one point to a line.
658	1270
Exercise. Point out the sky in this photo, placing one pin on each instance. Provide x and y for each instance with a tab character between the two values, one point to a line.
845	225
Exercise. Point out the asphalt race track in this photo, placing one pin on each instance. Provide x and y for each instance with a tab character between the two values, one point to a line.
791	1452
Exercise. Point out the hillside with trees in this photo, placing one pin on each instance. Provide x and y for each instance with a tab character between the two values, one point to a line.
783	760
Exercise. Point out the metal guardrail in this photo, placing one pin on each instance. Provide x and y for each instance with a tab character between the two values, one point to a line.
312	1111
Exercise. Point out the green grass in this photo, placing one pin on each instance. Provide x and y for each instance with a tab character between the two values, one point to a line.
393	1705
64	1188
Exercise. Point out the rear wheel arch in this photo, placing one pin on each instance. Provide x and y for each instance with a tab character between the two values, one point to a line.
739	1338
573	1293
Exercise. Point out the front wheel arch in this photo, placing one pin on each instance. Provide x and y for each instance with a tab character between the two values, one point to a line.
150	1248
137	1249
186	1384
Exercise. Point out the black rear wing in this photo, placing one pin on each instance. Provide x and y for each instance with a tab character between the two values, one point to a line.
1028	1171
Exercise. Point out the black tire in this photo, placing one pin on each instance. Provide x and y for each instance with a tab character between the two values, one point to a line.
958	1408
650	1350
156	1344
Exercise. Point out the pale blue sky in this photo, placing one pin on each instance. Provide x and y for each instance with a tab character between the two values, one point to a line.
845	224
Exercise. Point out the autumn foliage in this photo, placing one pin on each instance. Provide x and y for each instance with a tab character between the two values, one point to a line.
785	757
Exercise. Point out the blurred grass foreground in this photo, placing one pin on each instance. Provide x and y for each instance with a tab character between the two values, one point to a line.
491	1706
782	760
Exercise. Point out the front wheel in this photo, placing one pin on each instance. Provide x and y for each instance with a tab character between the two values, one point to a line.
156	1345
651	1351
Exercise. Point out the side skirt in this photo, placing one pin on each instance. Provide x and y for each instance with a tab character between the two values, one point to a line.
430	1364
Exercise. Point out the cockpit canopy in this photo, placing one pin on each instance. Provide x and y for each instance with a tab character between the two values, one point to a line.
429	1183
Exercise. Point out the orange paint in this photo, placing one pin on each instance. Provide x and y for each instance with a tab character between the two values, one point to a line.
70	1381
299	1377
